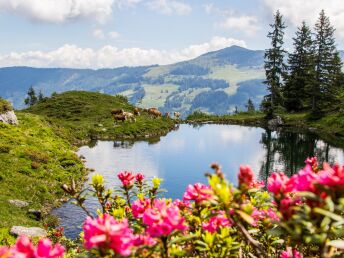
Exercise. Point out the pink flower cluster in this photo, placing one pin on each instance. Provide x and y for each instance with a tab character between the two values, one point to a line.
291	254
308	179
139	207
25	249
106	233
261	215
198	193
163	218
128	178
246	178
216	222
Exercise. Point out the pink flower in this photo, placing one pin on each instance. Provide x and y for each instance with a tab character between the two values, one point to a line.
245	176
331	176
313	162
182	204
216	222
291	254
139	177
144	240
260	215
277	183
139	207
105	233
163	218
198	193
127	178
46	249
303	181
25	249
4	252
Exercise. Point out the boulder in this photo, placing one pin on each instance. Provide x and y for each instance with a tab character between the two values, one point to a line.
19	203
275	122
29	232
9	117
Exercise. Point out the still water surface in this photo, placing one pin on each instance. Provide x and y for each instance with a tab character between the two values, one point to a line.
184	155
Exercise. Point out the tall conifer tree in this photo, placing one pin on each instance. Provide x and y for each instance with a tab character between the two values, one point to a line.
274	64
322	91
301	71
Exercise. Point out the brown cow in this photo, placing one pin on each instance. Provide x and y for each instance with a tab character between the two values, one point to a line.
117	111
167	115
154	112
120	117
136	111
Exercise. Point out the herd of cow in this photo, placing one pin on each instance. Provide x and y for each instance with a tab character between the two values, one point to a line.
121	115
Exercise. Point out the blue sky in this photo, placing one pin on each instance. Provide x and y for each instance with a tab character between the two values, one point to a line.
111	33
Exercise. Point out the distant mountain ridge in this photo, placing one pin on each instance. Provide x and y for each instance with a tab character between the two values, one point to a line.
215	82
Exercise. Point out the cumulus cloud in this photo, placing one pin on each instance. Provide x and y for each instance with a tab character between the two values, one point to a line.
111	56
169	7
247	24
59	11
298	10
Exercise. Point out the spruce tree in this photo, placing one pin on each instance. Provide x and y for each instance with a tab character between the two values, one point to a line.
301	71
40	96
322	92
250	106
274	64
31	97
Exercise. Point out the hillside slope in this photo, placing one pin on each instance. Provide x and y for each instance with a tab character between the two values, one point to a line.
177	87
34	162
82	116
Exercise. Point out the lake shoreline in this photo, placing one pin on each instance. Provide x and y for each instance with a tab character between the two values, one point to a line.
293	122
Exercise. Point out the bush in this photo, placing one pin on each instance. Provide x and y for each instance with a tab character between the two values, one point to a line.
5	106
301	216
5	148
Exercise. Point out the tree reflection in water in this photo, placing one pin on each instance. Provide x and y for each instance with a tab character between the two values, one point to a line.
286	151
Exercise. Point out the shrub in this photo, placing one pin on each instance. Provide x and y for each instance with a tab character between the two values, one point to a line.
5	106
300	216
4	148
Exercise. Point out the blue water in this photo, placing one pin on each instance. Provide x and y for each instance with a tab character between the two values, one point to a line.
183	156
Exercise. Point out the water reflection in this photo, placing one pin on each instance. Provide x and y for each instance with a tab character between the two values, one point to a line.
183	156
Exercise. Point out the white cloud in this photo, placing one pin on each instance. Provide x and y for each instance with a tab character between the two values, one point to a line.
114	34
298	10
98	33
59	11
169	7
247	24
110	56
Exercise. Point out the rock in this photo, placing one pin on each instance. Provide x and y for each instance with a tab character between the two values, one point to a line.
29	232
9	117
37	214
19	203
275	122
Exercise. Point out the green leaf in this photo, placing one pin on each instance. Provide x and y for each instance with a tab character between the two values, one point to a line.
182	239
329	214
245	217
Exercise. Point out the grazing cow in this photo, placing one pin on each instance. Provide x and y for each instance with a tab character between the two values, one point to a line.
129	116
120	117
117	111
154	112
136	111
176	115
167	115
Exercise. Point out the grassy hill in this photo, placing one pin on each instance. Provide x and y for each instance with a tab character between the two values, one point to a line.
34	162
38	156
82	116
